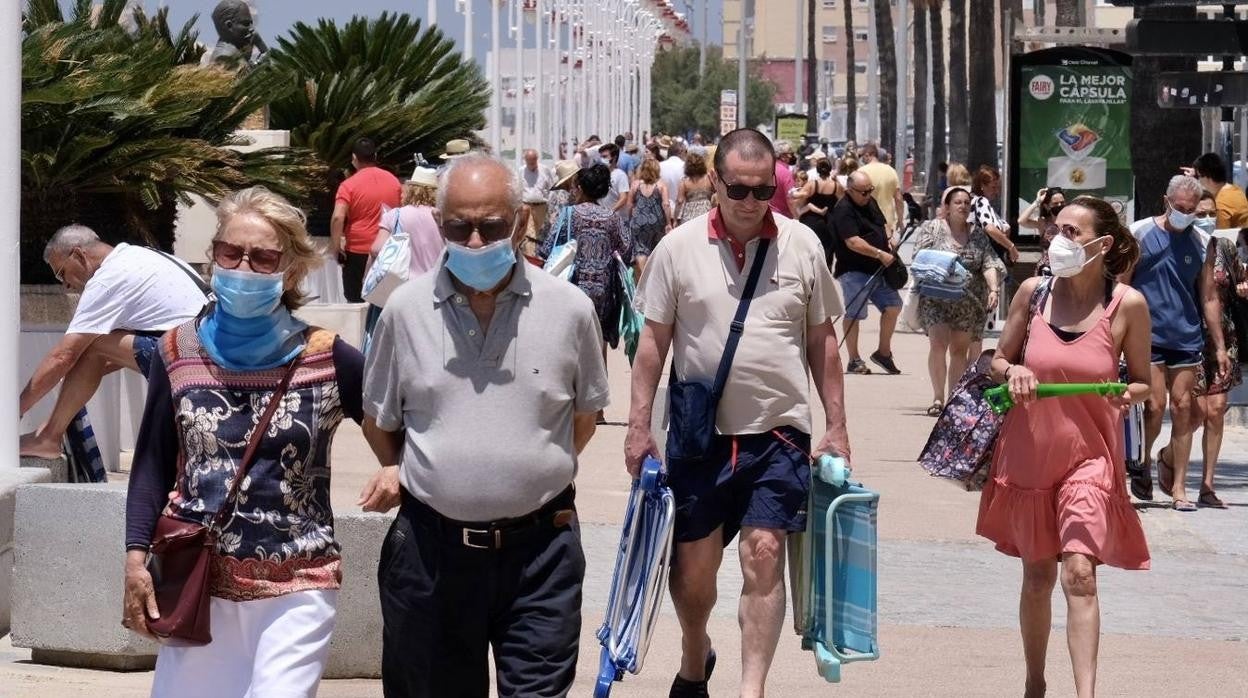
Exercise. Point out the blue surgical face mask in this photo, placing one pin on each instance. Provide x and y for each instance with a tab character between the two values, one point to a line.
1179	220
484	267
1206	225
247	294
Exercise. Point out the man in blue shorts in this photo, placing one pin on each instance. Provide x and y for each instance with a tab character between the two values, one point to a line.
755	477
865	250
1176	282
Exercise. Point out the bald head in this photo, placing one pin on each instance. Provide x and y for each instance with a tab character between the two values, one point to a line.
530	159
478	181
860	180
860	188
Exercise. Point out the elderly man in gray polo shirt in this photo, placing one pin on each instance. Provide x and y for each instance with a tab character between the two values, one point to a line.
481	387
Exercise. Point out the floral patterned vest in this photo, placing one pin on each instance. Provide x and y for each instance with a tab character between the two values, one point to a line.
280	538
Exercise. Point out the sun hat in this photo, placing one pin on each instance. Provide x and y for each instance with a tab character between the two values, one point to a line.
425	177
565	170
456	148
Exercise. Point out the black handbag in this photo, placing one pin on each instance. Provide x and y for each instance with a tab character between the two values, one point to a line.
692	403
896	275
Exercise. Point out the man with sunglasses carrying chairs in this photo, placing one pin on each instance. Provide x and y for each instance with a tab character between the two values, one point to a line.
129	296
744	300
480	390
865	252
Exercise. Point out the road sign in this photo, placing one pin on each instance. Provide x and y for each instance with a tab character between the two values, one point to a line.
1187	90
1187	37
728	112
727	126
728	97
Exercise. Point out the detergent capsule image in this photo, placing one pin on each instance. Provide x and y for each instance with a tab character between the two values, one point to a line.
1077	169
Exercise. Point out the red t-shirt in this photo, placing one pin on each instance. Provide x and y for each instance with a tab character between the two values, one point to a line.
784	182
365	193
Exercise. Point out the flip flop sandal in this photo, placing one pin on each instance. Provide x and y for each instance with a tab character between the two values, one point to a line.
1165	473
1183	505
1141	481
1209	499
936	408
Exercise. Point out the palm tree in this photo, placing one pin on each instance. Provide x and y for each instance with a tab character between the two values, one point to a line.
410	90
920	86
851	73
937	39
886	44
959	128
812	68
118	127
981	42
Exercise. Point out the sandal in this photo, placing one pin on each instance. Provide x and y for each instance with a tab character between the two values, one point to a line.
1183	505
684	688
936	408
1209	499
1165	472
1141	477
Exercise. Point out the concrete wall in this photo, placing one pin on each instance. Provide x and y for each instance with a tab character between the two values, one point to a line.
68	583
10	480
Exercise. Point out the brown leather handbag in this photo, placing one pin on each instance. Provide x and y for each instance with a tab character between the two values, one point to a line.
180	559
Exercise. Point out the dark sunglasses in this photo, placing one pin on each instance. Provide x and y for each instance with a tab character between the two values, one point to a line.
491	229
865	192
762	192
229	256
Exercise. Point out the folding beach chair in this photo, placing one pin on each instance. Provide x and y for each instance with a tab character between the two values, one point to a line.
836	570
640	578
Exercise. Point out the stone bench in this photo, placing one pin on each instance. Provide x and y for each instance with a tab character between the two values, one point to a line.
32	471
68	583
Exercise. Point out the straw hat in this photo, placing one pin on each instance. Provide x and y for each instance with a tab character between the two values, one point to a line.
565	170
665	142
456	148
817	155
425	177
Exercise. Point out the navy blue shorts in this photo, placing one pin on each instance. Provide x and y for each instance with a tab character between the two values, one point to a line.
1176	358
145	346
755	480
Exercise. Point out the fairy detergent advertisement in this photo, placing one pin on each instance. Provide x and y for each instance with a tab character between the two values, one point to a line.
1072	125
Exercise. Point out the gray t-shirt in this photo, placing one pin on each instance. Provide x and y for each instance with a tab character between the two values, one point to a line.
487	417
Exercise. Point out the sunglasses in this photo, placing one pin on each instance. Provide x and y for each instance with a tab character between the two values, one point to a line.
491	229
262	260
865	192
762	192
57	273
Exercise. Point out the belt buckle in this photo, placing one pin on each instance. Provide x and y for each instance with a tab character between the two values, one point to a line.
498	538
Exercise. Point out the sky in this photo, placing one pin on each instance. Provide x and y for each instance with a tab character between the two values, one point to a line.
277	16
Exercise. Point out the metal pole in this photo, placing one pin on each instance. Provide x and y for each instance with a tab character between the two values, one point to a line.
873	78
431	13
539	93
702	43
743	55
496	103
10	257
468	30
797	56
521	127
903	74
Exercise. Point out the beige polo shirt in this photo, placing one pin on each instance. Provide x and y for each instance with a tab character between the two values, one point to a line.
693	282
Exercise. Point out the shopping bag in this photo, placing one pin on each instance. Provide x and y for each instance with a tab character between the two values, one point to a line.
631	320
391	268
910	311
562	259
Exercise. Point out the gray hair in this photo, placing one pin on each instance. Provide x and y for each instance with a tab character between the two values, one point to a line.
1183	183
68	239
479	159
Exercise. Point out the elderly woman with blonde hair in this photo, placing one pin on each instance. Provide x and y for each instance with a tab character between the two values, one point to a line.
415	217
241	411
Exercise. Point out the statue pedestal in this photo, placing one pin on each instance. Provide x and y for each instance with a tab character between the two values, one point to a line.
197	223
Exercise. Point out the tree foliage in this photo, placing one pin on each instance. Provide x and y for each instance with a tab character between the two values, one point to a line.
121	122
408	89
682	103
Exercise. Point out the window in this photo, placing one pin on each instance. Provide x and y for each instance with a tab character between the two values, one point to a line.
829	4
861	35
860	68
830	34
829	67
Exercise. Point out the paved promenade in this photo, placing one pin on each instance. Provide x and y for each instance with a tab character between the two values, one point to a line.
948	601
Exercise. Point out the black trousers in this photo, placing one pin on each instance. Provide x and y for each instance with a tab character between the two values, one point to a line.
444	605
353	276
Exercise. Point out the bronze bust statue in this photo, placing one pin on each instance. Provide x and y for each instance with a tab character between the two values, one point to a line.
238	43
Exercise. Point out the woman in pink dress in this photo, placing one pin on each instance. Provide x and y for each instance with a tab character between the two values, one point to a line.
1057	491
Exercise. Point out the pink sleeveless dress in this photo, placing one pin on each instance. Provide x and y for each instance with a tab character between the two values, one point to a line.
1057	483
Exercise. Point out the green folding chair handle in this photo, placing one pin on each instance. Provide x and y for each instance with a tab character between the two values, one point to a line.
1000	401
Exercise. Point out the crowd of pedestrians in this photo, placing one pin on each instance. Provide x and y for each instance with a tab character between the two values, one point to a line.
244	399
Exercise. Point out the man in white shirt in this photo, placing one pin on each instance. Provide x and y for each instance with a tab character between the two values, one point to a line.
537	180
672	170
617	196
129	296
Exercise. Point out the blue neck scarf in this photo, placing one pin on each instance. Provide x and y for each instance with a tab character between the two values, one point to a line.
251	344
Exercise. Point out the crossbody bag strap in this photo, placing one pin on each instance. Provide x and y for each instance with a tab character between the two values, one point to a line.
254	443
203	286
738	322
1034	306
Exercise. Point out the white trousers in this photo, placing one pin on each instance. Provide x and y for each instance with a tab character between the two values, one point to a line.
270	648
